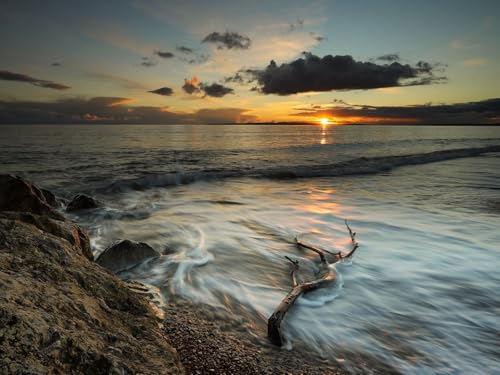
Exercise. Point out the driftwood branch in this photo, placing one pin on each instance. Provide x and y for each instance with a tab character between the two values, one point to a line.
327	273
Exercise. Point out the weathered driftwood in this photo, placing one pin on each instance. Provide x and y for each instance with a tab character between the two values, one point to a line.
327	273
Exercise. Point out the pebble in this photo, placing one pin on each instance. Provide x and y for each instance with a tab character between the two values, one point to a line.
203	349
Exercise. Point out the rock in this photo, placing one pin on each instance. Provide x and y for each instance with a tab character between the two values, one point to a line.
49	197
126	254
60	313
71	232
82	202
17	194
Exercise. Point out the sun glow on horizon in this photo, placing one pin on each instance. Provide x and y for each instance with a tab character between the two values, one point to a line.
325	121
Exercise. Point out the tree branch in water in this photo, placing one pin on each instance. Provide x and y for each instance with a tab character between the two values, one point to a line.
328	276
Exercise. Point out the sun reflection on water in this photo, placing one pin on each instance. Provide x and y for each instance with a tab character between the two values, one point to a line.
323	133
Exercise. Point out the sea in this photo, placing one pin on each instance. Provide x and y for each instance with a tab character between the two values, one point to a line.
224	204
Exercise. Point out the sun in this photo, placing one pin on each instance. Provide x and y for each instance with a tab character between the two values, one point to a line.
324	121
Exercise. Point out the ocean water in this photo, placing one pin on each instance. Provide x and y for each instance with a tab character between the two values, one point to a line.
224	204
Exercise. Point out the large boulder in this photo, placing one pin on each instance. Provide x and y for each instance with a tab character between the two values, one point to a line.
17	194
22	201
82	202
61	313
125	254
66	230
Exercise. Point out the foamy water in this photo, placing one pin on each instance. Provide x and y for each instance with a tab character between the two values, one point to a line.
421	293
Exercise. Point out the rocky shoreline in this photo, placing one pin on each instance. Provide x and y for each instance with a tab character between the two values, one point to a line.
61	312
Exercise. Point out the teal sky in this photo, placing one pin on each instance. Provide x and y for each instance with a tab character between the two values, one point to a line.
101	49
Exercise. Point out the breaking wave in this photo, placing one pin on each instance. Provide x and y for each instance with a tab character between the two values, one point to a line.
357	166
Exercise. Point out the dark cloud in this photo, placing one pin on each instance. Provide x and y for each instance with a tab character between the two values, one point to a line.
165	91
190	56
237	78
51	85
148	63
9	76
55	63
194	86
216	90
313	73
185	50
228	40
191	86
164	54
317	37
390	57
481	112
110	110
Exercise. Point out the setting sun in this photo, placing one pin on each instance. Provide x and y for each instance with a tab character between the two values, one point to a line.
324	121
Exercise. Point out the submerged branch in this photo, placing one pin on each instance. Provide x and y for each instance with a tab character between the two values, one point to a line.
328	276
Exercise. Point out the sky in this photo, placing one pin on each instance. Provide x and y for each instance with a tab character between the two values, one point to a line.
195	61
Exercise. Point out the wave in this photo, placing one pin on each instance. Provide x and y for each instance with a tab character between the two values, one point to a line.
357	166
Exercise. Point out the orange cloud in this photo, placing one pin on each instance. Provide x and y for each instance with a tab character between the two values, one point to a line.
193	81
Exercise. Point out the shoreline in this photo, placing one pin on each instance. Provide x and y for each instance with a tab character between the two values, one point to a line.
73	315
209	343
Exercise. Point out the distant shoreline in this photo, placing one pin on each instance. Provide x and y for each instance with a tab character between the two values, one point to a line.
247	123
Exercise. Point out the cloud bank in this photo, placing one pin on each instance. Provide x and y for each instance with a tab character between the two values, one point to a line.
111	110
480	112
118	110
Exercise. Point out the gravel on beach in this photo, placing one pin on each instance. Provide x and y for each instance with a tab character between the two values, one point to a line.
209	344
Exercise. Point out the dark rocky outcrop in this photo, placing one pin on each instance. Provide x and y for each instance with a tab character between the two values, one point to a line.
74	234
49	197
61	313
17	194
126	254
82	202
